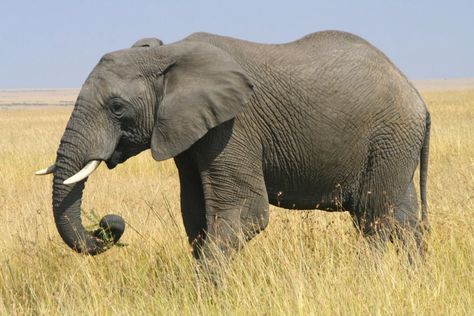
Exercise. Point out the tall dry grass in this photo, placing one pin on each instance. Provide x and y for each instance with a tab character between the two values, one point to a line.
304	263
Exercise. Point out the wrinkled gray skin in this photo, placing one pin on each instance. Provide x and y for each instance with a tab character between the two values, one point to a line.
326	122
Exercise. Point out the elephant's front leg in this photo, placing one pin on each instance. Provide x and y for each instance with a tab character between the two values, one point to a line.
193	208
236	206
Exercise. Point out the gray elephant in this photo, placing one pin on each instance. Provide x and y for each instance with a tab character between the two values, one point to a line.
325	122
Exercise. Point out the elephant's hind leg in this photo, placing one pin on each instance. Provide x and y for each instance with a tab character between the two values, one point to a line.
383	219
408	228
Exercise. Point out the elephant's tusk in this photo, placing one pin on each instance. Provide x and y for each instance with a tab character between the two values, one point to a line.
48	170
84	173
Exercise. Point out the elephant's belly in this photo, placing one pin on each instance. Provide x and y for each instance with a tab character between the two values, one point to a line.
327	190
331	202
318	174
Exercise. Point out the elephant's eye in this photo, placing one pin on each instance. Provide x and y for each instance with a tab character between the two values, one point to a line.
117	107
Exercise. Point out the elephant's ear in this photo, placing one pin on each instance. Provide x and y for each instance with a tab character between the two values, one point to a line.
203	87
147	42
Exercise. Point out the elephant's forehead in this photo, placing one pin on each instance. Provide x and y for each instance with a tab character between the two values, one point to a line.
116	75
112	71
105	84
120	57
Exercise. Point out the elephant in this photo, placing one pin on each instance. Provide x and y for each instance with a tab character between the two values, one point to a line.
325	122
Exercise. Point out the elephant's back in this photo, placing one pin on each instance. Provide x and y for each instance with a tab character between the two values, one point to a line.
306	50
328	70
323	74
322	58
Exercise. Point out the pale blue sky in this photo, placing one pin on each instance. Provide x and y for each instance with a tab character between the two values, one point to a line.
53	43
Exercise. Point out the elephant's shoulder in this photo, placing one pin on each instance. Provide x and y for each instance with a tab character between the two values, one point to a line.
219	40
332	36
200	36
208	38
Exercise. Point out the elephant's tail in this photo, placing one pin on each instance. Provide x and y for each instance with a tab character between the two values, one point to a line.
425	149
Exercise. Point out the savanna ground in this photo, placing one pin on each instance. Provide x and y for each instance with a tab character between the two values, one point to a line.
304	263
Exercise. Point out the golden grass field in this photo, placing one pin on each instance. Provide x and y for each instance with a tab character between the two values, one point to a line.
305	263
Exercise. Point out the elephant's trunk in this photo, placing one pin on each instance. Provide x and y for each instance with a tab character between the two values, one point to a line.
67	204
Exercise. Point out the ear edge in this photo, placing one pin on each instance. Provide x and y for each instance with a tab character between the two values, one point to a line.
160	152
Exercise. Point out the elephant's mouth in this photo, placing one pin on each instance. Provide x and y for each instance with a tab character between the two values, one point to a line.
123	152
116	158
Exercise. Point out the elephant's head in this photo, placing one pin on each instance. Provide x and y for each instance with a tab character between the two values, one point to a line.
163	97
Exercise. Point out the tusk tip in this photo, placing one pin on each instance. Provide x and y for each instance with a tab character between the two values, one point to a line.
45	171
